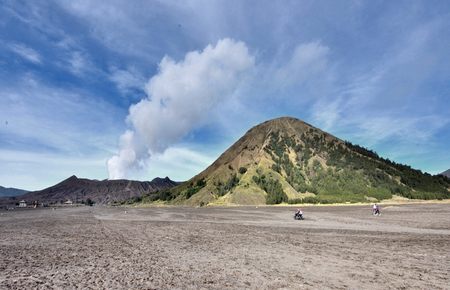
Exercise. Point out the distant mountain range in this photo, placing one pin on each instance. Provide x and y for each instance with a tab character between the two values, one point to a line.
446	173
288	160
101	192
9	191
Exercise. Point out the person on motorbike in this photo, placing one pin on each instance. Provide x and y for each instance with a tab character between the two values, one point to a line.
298	214
376	209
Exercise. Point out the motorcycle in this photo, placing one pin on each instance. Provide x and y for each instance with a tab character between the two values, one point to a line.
298	216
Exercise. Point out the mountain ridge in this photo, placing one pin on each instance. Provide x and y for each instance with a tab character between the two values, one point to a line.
446	173
11	191
99	191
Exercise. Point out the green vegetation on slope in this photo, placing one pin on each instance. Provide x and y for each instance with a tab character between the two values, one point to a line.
187	190
353	174
275	193
223	188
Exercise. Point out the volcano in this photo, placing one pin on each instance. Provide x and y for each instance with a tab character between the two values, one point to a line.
286	160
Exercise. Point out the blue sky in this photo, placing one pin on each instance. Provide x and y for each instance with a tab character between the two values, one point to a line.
160	88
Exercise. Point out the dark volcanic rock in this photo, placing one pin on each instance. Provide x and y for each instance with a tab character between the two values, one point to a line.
9	191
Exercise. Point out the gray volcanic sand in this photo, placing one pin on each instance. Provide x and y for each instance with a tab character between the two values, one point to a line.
341	247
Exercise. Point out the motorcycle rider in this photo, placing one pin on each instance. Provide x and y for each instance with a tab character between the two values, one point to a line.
376	209
298	213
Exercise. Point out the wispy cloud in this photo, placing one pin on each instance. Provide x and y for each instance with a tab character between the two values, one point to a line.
383	102
26	52
25	168
78	63
64	131
28	108
133	36
308	60
64	50
414	129
127	80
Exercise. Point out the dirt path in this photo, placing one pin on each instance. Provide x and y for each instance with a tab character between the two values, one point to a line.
235	248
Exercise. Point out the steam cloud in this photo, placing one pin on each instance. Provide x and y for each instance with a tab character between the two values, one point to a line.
178	100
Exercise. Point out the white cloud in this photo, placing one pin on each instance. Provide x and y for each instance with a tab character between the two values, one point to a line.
133	154
180	98
26	52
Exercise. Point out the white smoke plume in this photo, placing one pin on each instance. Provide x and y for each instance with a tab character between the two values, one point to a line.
178	100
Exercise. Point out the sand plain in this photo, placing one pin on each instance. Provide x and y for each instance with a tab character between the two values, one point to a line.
336	247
